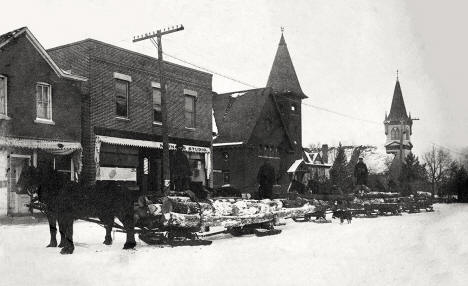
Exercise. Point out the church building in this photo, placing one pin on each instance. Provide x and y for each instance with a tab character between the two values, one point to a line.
259	125
398	126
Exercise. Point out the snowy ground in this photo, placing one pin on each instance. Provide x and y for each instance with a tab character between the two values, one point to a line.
413	249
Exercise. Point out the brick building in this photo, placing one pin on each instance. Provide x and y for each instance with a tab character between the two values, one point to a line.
40	114
121	126
259	125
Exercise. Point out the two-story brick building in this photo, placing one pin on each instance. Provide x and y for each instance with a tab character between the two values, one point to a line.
121	126
40	114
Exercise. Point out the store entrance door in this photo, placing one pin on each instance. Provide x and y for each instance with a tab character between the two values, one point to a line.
150	171
16	202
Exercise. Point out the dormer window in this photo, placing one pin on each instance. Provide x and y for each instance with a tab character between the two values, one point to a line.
43	102
3	95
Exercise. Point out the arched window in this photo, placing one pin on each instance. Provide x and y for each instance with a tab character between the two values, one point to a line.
407	133
395	133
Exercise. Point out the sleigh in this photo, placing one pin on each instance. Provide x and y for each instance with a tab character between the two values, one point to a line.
181	221
415	205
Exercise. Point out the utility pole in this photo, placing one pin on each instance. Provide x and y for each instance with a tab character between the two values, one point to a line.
403	131
165	137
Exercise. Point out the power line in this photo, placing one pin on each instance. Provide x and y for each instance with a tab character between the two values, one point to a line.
208	70
253	86
211	71
247	84
341	114
447	148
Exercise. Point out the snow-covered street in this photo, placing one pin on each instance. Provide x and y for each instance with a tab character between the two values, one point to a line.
413	249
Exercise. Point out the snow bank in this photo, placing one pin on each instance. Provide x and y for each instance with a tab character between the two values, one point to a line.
416	249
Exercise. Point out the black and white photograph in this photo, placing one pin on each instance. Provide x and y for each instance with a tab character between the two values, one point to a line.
233	142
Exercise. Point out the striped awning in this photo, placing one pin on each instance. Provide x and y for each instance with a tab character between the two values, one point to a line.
39	144
148	144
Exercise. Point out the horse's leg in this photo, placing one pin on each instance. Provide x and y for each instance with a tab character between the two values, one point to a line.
69	247
52	219
108	222
62	230
129	225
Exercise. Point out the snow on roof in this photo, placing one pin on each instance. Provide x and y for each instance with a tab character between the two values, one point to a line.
227	144
377	160
214	127
294	166
237	94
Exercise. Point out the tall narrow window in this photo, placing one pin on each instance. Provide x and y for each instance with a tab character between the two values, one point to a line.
43	101
395	133
189	111
226	177
157	115
3	95
121	97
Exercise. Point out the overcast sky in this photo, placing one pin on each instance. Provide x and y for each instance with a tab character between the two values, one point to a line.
346	53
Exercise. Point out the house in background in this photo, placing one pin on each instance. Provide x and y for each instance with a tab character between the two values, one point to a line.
40	115
259	125
312	166
122	128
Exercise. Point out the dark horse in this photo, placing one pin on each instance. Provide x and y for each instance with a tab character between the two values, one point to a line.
66	201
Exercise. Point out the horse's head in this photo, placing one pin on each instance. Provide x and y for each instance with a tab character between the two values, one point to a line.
29	180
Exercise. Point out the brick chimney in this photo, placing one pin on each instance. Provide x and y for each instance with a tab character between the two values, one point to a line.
325	153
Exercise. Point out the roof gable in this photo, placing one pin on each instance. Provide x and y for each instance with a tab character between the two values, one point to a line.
283	77
237	113
5	39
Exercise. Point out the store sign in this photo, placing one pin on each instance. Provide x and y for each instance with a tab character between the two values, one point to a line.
117	174
196	149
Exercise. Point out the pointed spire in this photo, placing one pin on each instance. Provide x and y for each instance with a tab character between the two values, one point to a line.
283	76
398	109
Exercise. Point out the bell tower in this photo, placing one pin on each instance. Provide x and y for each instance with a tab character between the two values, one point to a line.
398	126
287	92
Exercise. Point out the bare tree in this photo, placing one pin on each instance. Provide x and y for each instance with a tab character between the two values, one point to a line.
437	165
464	157
314	146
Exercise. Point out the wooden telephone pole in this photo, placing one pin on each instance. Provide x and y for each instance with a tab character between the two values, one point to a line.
403	131
165	137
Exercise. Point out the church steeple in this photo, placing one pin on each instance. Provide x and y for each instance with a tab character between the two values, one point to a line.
398	109
283	76
398	125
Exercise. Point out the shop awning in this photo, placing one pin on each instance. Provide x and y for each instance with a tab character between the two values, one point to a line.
148	144
39	144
